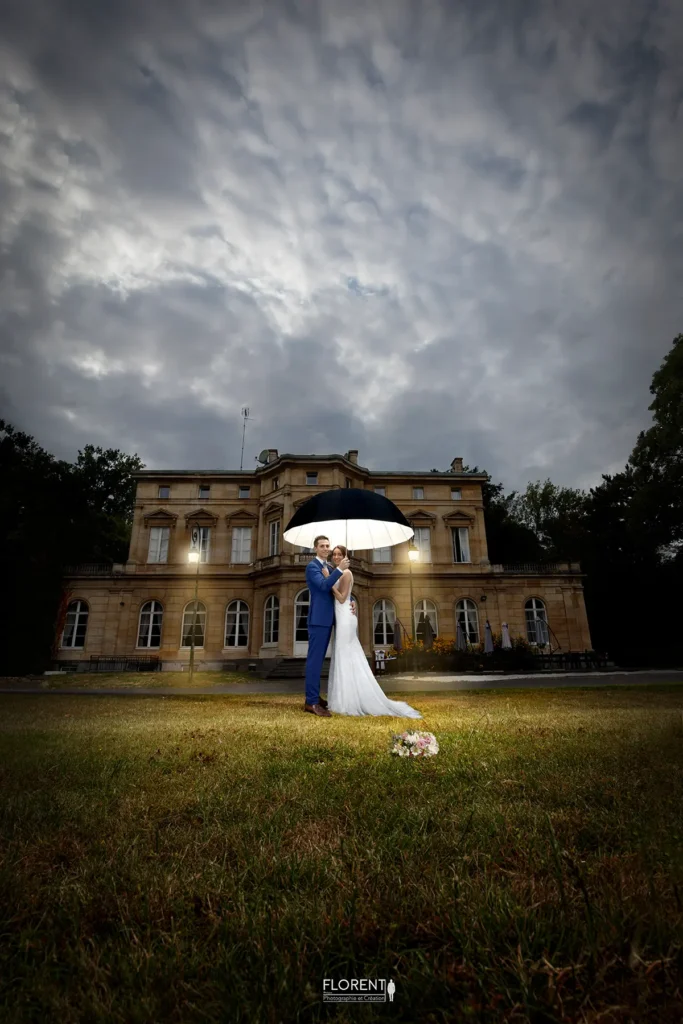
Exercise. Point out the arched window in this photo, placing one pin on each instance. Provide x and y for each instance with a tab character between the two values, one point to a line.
383	623
271	621
149	626
237	624
302	603
199	622
466	614
536	621
76	625
425	610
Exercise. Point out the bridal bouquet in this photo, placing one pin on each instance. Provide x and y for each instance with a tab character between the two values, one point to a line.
415	744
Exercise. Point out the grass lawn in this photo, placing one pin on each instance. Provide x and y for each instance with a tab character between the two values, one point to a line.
130	680
214	858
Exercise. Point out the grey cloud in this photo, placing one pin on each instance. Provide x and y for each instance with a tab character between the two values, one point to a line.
417	229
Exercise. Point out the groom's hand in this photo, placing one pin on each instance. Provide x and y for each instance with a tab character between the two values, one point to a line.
344	564
325	571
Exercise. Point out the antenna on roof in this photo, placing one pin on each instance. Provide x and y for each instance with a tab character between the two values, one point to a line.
245	417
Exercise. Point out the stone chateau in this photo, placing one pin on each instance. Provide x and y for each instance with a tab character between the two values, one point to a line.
252	599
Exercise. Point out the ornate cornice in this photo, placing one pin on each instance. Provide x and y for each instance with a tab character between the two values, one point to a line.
274	510
241	516
421	515
159	517
458	517
201	517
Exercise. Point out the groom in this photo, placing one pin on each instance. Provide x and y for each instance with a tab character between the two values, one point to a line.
320	621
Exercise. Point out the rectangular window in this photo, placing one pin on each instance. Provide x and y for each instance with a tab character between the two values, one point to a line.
423	543
274	538
276	482
348	481
204	491
244	491
380	490
164	491
241	544
312	479
158	544
461	544
382	555
456	494
418	492
204	535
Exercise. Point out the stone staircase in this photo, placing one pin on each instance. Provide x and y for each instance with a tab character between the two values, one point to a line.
294	668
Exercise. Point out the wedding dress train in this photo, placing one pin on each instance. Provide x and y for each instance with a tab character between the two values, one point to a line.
352	688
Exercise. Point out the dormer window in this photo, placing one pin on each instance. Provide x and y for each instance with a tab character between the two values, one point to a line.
204	492
164	491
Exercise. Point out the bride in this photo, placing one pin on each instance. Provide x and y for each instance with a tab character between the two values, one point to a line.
351	688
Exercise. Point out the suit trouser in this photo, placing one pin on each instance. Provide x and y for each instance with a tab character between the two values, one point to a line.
318	641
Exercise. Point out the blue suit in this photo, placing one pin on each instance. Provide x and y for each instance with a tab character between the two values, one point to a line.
320	623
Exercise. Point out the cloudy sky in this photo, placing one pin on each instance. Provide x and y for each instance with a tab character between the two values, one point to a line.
419	228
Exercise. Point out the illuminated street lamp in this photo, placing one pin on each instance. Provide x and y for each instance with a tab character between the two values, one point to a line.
193	556
413	556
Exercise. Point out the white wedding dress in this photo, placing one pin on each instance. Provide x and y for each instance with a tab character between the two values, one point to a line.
351	687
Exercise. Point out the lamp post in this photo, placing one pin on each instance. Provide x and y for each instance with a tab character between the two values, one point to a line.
193	556
413	555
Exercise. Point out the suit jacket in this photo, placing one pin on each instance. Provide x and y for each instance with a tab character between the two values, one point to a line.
321	608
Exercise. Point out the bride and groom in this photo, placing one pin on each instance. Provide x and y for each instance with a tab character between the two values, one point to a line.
351	688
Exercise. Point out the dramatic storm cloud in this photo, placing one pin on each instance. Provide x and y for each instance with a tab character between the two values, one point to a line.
418	229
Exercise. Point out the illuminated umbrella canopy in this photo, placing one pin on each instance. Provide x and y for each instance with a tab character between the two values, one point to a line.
361	520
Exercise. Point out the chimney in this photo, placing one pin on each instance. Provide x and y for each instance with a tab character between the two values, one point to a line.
456	466
272	455
352	456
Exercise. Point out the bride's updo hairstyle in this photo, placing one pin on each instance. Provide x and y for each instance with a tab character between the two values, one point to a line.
340	547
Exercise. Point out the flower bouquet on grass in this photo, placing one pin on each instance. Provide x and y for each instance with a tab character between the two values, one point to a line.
414	744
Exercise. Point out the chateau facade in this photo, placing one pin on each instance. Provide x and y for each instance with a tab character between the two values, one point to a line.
252	601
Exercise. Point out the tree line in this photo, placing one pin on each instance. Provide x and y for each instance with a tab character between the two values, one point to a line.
626	533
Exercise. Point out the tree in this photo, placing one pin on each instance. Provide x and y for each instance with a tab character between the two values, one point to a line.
557	517
53	513
657	458
509	540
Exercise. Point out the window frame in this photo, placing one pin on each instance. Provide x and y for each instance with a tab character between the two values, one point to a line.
242	529
456	544
422	531
204	487
152	614
435	625
465	602
420	496
383	611
199	625
164	533
242	612
382	561
242	488
274	529
82	610
534	618
164	487
456	491
314	474
274	621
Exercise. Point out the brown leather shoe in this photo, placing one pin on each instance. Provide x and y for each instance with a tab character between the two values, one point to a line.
316	709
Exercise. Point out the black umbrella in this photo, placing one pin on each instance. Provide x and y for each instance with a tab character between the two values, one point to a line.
364	520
